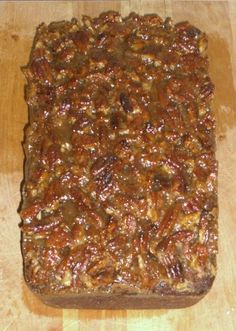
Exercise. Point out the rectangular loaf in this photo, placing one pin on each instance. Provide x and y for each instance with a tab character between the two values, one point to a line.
120	197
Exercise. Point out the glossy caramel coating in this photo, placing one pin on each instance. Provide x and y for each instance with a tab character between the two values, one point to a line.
120	188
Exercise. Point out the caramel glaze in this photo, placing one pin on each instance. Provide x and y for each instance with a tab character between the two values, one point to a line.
120	177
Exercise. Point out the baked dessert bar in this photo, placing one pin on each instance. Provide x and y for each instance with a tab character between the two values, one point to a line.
120	197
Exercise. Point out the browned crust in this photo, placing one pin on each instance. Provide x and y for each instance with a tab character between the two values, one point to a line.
121	301
124	300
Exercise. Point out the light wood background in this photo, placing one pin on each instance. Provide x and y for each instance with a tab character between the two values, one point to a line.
19	309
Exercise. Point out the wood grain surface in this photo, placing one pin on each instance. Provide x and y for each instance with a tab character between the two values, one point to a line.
19	309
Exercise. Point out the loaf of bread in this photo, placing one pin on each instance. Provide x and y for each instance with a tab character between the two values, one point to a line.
119	202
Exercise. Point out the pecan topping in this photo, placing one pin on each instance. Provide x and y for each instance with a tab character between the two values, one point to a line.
120	178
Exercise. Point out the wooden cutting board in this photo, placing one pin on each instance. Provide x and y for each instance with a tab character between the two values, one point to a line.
19	309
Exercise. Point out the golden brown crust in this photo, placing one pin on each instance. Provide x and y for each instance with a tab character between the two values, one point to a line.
120	188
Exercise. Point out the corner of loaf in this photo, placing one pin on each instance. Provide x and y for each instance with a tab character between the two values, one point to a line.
120	182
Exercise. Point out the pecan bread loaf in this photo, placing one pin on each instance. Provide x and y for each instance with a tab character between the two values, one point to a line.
120	198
